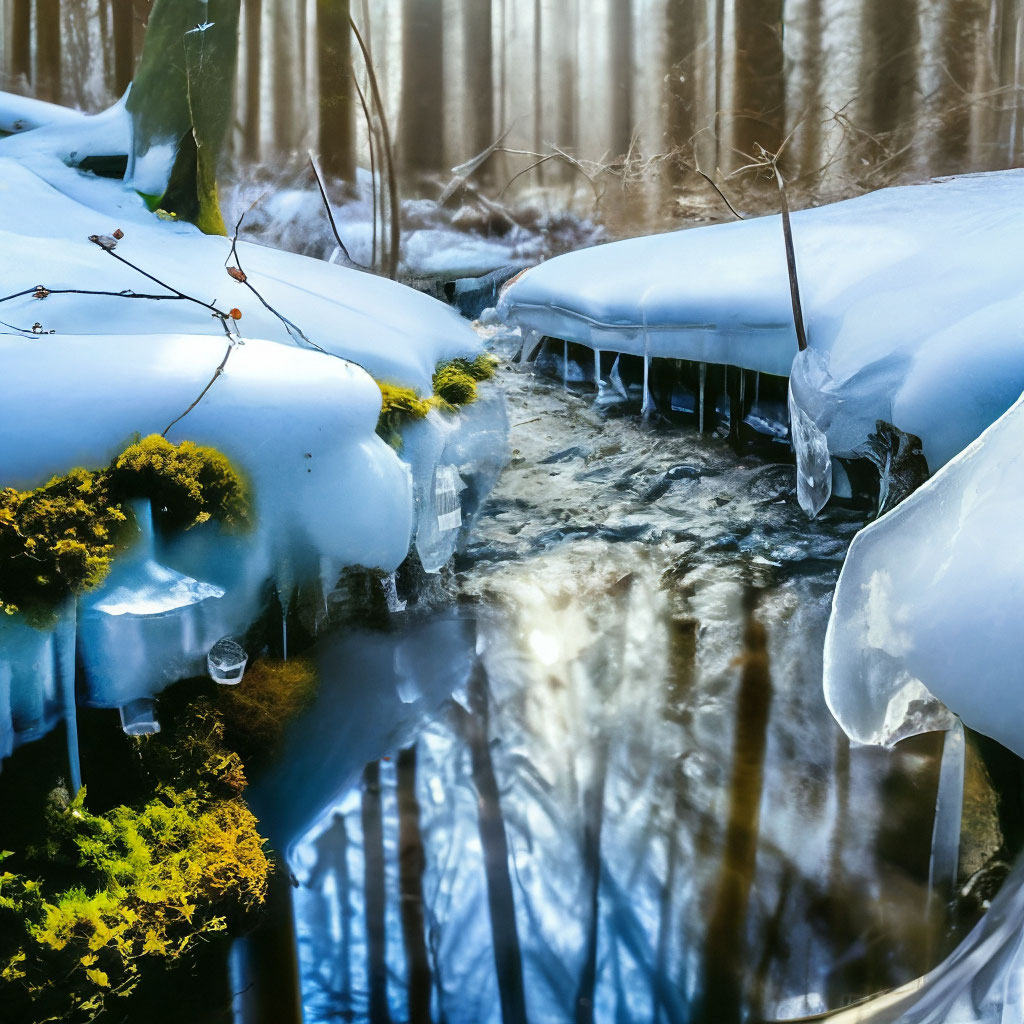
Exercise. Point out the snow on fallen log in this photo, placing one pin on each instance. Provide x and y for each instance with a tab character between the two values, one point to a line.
912	298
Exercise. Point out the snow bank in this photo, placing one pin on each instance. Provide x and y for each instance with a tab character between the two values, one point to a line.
395	333
929	603
295	410
912	298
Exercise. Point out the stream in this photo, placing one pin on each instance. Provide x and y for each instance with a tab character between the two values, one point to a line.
600	775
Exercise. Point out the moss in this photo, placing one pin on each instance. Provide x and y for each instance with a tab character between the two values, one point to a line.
187	483
398	406
455	382
153	883
58	540
271	694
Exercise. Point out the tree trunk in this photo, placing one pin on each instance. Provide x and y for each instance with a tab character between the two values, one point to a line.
285	74
479	62
334	59
963	29
890	64
721	1001
422	127
411	864
508	960
681	39
375	898
568	71
253	33
21	43
123	16
48	50
620	60
759	90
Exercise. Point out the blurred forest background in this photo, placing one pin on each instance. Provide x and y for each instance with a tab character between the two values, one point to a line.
867	92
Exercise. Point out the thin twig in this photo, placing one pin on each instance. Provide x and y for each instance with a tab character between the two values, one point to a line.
330	212
292	328
394	248
202	394
724	197
771	161
373	165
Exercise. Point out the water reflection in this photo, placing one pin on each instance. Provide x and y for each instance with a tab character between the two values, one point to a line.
596	828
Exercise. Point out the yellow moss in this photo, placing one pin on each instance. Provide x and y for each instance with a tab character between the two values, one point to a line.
58	540
186	482
269	696
454	384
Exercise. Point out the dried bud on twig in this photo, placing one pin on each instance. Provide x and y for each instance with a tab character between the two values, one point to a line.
40	292
237	274
119	234
104	242
235	314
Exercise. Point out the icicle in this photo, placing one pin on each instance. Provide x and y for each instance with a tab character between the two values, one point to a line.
757	387
285	586
743	392
66	637
700	397
648	405
597	370
390	585
945	853
615	379
565	366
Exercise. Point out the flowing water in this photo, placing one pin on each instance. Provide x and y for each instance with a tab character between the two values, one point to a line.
610	788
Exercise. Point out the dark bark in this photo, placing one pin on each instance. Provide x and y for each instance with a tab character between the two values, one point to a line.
759	92
421	146
123	15
285	107
48	50
681	26
962	30
890	63
411	865
20	46
253	17
337	120
620	114
568	70
721	1000
374	894
508	959
479	71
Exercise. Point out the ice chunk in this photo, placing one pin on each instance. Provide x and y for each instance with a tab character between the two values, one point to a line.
928	604
138	717
146	626
226	661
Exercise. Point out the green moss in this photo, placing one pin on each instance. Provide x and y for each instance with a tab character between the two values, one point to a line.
271	694
187	483
103	898
454	384
58	540
455	381
398	406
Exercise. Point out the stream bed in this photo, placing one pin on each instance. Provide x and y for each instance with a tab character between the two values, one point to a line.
600	775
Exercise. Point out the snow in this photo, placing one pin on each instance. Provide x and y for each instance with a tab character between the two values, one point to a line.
927	608
912	300
298	422
23	113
